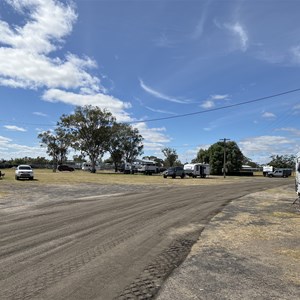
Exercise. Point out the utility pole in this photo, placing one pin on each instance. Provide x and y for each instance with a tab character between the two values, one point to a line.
224	162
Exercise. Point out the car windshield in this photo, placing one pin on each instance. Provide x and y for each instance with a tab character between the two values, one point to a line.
24	168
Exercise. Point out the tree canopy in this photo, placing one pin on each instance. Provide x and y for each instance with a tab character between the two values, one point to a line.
282	161
170	156
125	144
90	128
214	155
57	144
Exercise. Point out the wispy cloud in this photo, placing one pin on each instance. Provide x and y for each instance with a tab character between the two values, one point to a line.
239	31
211	101
160	95
199	29
160	111
37	113
296	107
164	41
268	115
293	131
14	128
295	52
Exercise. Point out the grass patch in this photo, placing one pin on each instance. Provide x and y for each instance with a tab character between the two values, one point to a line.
47	176
292	253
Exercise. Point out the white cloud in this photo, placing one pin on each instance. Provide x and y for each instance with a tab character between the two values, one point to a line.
114	105
291	130
48	20
14	128
21	69
296	107
295	52
268	115
160	95
164	42
262	147
9	150
210	102
25	62
23	58
40	114
198	31
238	31
154	138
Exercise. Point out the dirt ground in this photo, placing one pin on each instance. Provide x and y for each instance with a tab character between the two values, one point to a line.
251	250
68	239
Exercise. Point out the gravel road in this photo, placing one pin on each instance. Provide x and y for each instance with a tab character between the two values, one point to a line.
103	241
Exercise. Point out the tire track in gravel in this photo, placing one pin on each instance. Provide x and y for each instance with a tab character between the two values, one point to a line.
85	232
54	274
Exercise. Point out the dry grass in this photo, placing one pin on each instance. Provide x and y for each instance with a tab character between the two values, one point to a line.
46	176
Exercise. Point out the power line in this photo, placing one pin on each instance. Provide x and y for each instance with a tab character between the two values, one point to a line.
217	108
181	115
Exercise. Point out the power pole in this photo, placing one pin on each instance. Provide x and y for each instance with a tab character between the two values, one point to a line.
224	161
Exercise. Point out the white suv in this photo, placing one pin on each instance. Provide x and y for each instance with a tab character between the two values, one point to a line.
24	171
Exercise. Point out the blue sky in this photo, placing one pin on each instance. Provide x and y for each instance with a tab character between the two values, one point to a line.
146	60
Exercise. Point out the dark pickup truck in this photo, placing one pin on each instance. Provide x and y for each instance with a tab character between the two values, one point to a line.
173	172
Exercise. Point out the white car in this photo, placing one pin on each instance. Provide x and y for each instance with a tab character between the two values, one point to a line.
24	171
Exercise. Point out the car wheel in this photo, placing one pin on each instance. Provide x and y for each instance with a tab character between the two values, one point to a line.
16	177
30	178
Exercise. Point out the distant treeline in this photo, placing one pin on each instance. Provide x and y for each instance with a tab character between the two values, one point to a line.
39	162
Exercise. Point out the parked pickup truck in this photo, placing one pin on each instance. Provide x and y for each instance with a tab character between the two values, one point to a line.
280	173
173	172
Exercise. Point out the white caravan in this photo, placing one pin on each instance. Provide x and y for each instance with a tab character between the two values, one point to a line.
148	167
267	169
195	170
87	166
297	174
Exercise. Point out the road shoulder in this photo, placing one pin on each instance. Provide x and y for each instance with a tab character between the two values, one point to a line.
251	250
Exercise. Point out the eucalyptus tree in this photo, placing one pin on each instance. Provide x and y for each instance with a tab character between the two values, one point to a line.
57	143
170	156
90	128
115	146
125	144
282	161
132	142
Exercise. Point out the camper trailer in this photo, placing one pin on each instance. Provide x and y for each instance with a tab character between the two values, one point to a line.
147	167
297	174
87	166
267	169
194	170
